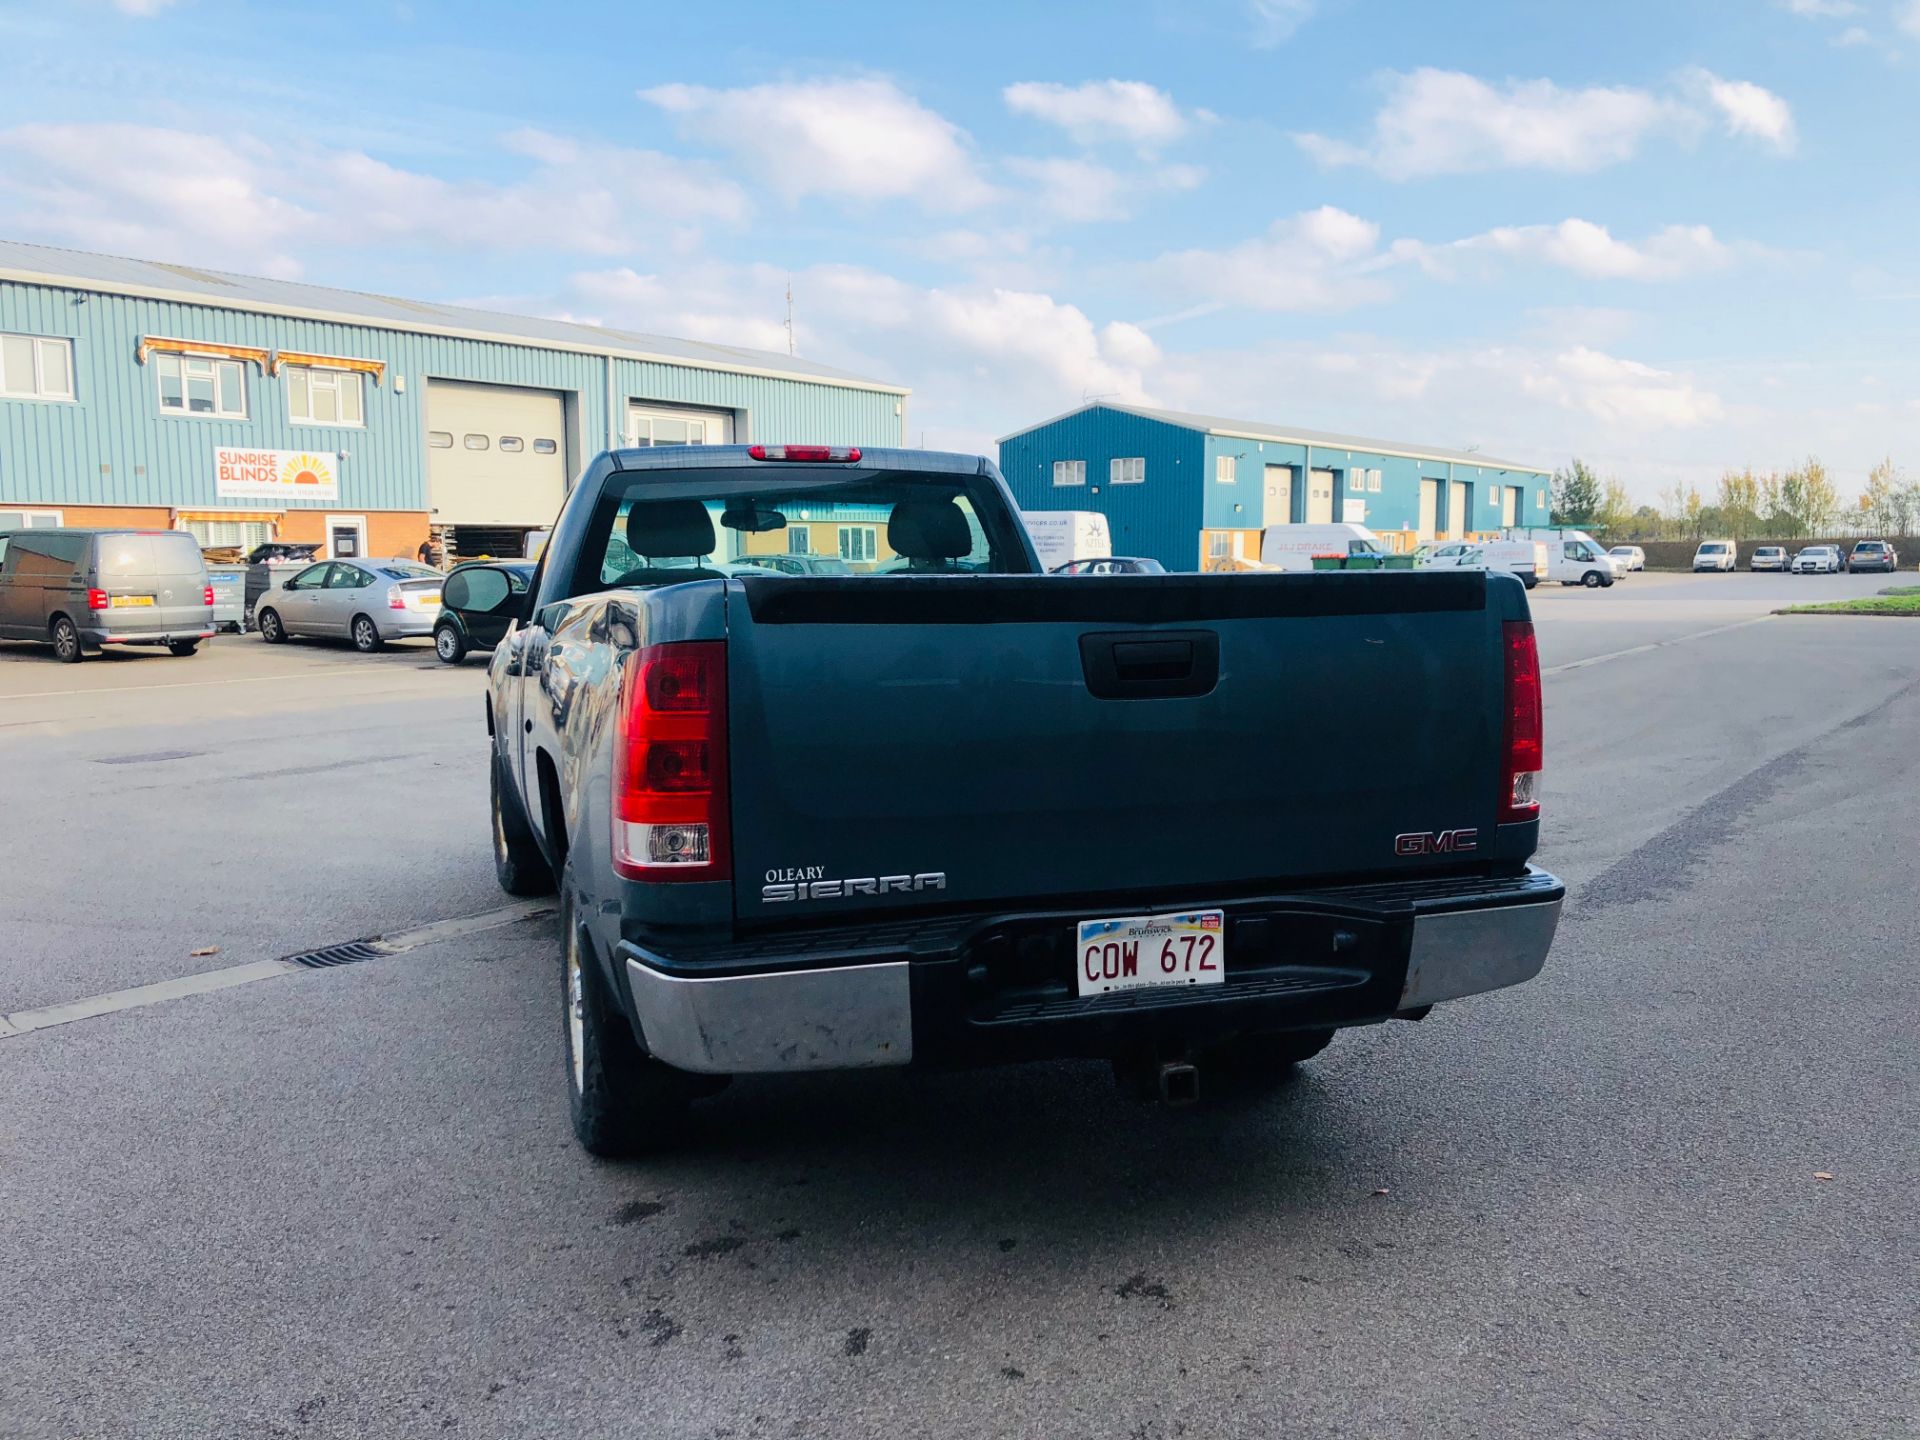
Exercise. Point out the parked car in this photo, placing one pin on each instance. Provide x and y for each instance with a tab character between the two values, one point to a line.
1873	555
1768	557
1112	565
1716	555
801	564
1573	556
478	603
79	590
1523	559
1628	557
1818	560
366	601
772	856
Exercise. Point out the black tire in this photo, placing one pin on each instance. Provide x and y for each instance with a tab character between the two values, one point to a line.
365	635
65	636
1271	1059
517	862
449	645
182	647
271	630
1593	580
621	1102
1529	581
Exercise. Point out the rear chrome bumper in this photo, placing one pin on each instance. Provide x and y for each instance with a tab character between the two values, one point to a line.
828	1010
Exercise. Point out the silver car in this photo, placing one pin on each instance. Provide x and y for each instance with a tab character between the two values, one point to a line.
366	601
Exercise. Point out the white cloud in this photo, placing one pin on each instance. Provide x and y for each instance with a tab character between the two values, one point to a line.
1820	9
1274	21
1591	250
1125	110
1851	36
1082	190
1749	109
141	8
159	193
1906	15
1443	122
1623	392
863	138
1318	260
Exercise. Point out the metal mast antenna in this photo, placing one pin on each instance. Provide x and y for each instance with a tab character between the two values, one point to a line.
789	315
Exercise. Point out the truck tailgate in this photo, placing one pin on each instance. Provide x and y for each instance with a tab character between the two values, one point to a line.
1090	739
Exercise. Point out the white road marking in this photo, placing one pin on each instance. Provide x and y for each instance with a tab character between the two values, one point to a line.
88	1007
197	684
1655	645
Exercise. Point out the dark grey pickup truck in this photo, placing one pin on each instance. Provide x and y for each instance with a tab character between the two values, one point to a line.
943	809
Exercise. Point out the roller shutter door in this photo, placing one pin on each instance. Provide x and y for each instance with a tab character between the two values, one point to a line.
496	454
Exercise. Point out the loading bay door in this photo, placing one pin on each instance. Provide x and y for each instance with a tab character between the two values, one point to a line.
496	454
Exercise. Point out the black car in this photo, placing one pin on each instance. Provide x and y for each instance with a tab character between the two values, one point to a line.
477	604
1873	555
1111	565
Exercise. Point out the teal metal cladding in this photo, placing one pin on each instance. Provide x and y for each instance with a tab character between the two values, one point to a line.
1158	518
112	445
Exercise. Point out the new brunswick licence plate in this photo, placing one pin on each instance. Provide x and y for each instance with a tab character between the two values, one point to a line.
1140	951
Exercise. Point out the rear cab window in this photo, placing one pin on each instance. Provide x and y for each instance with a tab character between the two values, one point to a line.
655	528
169	552
408	571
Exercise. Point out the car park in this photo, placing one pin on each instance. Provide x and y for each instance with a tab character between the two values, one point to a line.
368	602
1523	559
80	590
1768	557
1112	565
1628	557
801	564
478	604
1818	560
1874	555
1716	556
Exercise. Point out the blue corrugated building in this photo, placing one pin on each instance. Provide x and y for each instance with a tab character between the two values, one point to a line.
1195	491
140	393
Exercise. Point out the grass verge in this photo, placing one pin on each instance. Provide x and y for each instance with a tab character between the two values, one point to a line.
1902	601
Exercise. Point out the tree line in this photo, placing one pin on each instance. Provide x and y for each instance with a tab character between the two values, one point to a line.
1776	504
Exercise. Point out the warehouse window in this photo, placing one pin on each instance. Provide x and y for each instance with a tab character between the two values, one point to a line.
29	519
1373	481
512	444
36	367
1069	472
440	439
197	385
317	396
1356	479
799	541
544	447
475	442
1226	469
1540	498
1219	545
859	542
240	534
1127	470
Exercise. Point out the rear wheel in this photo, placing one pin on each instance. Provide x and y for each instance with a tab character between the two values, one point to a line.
621	1101
182	647
366	634
448	645
65	636
518	864
271	630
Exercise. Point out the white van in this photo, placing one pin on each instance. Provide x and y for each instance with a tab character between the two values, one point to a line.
1062	536
1573	557
1525	559
1292	547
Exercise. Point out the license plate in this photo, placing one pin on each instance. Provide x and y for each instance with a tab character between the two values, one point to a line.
119	602
1141	951
426	600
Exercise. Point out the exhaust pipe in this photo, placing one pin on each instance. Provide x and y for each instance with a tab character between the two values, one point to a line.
1179	1082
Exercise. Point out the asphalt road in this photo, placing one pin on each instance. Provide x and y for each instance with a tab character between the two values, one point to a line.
345	1202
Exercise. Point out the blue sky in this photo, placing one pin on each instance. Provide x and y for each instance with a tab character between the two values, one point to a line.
1669	238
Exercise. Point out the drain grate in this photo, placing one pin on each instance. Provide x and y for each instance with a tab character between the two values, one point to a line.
328	956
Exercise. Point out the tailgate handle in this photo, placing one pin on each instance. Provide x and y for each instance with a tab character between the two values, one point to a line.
1150	664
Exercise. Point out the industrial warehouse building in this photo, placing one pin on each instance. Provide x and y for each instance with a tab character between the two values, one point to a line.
1195	491
243	409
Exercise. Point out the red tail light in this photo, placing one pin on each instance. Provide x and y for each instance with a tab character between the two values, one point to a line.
811	454
395	600
207	599
97	600
1524	744
670	764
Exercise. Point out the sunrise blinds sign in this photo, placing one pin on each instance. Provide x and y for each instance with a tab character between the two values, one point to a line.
289	476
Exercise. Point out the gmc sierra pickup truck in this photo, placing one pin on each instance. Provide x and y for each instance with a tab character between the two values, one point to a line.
944	809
